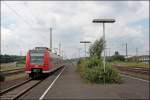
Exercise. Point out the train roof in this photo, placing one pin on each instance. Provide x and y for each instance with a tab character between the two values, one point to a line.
42	49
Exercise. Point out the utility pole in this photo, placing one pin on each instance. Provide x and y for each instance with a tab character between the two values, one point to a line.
137	54
51	39
60	49
85	48
126	50
106	49
62	53
109	52
136	51
104	41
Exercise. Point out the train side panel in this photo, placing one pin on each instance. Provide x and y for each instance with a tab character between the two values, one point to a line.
27	65
47	63
48	66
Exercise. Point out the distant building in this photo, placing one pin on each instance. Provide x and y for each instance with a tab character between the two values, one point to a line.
139	58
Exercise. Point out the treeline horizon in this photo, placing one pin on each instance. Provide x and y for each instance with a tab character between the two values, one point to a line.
6	58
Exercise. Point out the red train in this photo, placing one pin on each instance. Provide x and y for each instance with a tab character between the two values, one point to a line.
41	61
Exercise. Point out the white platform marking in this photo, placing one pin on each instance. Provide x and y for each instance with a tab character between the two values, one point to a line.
50	85
134	78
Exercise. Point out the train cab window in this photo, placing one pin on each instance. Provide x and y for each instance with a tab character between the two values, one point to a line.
36	57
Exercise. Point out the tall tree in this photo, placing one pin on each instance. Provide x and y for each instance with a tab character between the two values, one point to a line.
117	57
97	47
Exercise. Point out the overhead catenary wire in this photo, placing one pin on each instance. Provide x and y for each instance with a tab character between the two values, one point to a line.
15	12
19	16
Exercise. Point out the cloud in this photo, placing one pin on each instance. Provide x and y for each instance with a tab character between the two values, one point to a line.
71	22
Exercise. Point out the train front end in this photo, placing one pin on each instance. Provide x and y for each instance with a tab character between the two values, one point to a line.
37	61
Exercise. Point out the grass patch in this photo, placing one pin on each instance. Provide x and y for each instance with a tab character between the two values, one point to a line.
10	66
131	64
92	70
16	76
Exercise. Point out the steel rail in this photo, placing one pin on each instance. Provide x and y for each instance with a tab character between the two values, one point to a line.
26	90
17	95
12	73
13	87
11	70
134	69
20	93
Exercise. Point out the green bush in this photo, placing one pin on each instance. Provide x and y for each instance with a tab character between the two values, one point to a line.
21	62
92	62
11	58
92	70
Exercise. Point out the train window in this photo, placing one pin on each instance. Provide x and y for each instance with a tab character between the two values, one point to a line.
36	57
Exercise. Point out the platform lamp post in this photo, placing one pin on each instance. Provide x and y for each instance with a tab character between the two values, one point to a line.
103	21
85	42
62	53
51	39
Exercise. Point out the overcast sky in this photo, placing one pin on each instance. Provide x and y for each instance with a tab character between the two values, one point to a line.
25	25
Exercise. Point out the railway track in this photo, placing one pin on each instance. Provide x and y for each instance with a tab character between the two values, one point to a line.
11	72
140	70
18	90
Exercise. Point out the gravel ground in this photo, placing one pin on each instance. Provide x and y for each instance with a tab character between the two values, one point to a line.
9	83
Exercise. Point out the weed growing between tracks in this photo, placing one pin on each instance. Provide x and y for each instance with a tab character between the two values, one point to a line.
92	70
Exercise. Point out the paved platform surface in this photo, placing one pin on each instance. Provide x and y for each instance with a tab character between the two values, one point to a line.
70	86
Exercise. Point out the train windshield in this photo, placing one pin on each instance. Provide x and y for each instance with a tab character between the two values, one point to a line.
36	57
